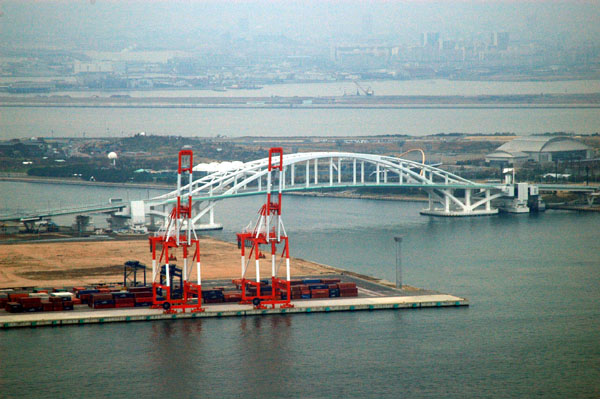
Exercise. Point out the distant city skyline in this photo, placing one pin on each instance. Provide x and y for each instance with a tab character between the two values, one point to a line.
185	25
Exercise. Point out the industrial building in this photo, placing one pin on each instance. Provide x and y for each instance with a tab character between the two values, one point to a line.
539	149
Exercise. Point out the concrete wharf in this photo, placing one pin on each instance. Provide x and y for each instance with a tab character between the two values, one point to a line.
373	295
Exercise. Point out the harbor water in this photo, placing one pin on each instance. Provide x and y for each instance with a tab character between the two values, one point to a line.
532	330
23	122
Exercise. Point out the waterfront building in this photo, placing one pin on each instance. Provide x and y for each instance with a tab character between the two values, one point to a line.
539	149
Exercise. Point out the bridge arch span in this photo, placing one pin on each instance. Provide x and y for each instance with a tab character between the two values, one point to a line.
311	171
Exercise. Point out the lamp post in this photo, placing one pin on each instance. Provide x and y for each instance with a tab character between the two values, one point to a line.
398	240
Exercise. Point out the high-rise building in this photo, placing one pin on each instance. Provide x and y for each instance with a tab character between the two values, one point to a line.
499	40
448	45
367	25
430	39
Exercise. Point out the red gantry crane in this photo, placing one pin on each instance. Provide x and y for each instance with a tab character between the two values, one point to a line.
177	233
268	231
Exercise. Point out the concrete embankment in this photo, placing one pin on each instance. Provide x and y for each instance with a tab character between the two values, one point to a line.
228	310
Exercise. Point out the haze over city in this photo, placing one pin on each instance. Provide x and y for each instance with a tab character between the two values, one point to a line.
177	25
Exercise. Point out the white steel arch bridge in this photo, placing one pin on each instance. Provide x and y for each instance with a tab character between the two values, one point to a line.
449	194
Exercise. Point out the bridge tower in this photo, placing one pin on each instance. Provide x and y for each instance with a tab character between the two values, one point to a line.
268	231
169	240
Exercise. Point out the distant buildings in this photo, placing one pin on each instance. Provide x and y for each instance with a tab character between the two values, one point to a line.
499	40
362	56
93	67
430	39
539	149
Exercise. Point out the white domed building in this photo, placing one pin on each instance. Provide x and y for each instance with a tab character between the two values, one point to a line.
539	149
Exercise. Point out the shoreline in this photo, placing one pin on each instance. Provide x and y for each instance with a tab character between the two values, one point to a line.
27	179
306	106
501	101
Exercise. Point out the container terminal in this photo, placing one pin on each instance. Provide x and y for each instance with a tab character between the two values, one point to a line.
179	292
106	304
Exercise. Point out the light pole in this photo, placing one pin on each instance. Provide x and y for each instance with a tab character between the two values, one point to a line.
398	240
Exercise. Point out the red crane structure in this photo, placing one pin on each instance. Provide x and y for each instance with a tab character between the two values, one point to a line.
269	231
177	233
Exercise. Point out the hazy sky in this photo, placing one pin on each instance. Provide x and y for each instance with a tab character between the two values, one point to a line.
114	25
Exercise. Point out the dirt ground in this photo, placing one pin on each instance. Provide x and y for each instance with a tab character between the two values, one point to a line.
70	264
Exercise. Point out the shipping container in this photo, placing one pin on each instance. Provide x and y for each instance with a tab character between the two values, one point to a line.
123	294
14	296
14	307
311	281
319	293
342	286
345	292
124	302
65	296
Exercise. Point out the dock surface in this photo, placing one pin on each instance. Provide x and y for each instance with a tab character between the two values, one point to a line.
373	294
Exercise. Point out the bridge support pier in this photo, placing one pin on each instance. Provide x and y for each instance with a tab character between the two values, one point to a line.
471	204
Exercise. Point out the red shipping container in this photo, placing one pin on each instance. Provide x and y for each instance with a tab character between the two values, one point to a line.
346	285
349	292
48	306
147	294
232	296
101	297
319	293
76	301
57	305
330	280
124	302
104	306
333	286
14	297
299	287
3	302
30	302
140	289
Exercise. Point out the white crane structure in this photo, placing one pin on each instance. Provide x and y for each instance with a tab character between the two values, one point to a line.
448	193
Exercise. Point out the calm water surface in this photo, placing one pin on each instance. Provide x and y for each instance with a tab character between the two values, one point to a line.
116	122
532	330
